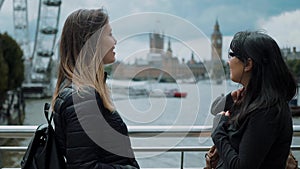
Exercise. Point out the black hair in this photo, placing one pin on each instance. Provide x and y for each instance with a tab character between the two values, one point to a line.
271	83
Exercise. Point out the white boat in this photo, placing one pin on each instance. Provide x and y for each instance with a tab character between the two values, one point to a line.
157	93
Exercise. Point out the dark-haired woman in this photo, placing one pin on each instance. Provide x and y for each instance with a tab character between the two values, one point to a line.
255	130
90	132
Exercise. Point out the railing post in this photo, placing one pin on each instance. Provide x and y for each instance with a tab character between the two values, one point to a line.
182	159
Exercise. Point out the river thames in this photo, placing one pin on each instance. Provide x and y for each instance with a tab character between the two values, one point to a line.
154	111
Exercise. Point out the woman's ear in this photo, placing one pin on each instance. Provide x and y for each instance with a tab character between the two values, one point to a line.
248	65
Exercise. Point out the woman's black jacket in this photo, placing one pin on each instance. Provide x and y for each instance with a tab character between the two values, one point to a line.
89	135
262	141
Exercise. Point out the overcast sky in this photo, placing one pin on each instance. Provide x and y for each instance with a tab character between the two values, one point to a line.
188	24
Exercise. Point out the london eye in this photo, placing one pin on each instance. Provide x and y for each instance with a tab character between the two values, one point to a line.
38	60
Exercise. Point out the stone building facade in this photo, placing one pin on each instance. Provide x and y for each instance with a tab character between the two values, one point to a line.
290	54
160	64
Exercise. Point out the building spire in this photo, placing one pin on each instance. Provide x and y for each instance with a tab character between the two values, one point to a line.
192	61
169	46
192	57
169	50
217	27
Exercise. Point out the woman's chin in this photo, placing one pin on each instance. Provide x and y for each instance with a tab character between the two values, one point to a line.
110	62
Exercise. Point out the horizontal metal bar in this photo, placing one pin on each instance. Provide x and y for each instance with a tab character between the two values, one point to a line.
295	147
136	149
13	148
134	131
296	129
19	131
142	168
16	131
145	149
169	131
172	149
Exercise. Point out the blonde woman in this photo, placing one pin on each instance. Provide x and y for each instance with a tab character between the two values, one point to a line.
90	132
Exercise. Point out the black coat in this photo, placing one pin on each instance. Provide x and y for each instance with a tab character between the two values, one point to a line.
262	141
89	135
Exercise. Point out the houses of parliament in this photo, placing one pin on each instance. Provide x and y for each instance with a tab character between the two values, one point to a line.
162	65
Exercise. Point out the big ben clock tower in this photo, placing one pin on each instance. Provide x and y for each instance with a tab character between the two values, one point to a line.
217	71
216	43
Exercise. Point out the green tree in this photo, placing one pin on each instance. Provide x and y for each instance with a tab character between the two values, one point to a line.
12	55
294	66
3	75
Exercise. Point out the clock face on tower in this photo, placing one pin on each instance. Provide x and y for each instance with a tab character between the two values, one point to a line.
219	41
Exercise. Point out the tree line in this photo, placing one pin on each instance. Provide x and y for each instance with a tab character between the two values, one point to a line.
294	66
11	65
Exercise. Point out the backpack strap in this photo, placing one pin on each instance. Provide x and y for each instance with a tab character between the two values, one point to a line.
46	112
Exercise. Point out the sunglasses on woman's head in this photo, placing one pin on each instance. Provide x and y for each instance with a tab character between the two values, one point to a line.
231	54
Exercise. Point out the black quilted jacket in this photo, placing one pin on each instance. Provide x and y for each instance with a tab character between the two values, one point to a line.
89	135
262	141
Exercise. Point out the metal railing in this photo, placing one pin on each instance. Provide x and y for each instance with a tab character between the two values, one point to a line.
137	131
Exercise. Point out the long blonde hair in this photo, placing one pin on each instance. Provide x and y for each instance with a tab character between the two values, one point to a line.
81	61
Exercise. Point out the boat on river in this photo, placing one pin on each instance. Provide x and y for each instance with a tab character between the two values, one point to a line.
180	94
167	93
175	93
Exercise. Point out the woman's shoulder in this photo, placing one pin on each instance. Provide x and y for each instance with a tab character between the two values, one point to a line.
69	94
79	96
64	98
272	114
84	93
